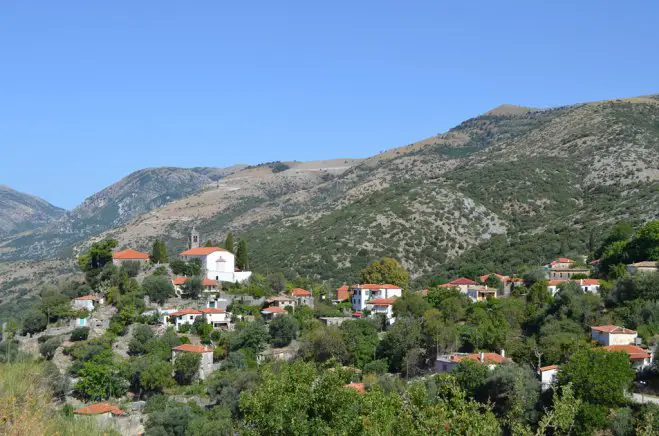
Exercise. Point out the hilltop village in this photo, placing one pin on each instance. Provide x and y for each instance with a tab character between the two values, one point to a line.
200	327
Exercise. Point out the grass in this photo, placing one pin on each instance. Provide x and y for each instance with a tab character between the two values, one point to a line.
27	408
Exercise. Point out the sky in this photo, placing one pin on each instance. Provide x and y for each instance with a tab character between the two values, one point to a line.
91	91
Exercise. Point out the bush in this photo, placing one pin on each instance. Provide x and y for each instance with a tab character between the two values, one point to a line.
34	322
80	334
48	348
132	268
186	367
376	367
283	329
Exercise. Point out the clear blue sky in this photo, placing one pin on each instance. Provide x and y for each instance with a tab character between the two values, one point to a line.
92	90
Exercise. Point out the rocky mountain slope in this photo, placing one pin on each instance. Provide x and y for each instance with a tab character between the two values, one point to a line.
501	190
134	195
20	212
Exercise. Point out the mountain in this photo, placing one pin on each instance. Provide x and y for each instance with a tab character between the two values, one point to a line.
499	191
20	212
135	194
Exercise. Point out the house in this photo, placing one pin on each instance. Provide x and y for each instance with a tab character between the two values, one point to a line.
448	362
206	363
368	291
645	266
384	306
302	297
183	316
586	285
563	268
639	357
548	376
86	302
216	264
103	409
500	277
208	285
281	301
342	294
165	312
333	320
272	311
463	284
129	256
218	318
481	293
613	335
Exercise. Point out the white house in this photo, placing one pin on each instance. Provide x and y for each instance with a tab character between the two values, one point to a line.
271	312
384	306
218	318
639	357
448	362
613	335
281	301
206	363
548	376
208	285
481	293
586	285
361	294
86	302
129	256
217	264
183	316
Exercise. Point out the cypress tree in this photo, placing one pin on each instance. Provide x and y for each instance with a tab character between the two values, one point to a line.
228	244
159	252
241	255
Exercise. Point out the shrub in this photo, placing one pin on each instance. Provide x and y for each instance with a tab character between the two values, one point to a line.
80	334
48	348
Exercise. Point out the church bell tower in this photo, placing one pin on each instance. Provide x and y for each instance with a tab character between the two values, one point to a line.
194	238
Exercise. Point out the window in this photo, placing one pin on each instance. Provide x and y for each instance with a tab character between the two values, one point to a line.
191	317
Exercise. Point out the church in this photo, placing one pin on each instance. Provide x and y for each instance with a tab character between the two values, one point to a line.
217	263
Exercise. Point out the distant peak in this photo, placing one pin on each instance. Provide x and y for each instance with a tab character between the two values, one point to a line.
510	109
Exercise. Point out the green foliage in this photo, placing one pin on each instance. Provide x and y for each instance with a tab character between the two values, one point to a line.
228	242
278	167
158	252
34	322
100	381
79	334
599	377
140	341
158	288
253	337
193	287
361	340
470	375
404	335
283	329
131	268
48	348
92	262
241	254
386	271
186	367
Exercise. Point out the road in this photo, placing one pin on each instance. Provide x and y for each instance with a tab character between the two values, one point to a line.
643	398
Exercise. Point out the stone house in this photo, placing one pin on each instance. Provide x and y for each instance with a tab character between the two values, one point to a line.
613	335
86	302
448	362
302	297
645	266
129	256
206	363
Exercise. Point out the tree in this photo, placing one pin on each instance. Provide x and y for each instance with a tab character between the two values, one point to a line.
386	270
283	329
470	376
140	342
186	367
404	335
228	243
253	337
322	344
411	304
598	376
35	321
156	376
131	268
493	281
158	288
361	340
178	267
100	381
48	348
158	252
560	419
193	287
79	334
241	254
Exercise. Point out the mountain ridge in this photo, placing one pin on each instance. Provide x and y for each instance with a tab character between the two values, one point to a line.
21	212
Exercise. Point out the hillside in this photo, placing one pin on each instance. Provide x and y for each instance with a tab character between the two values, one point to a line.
500	191
135	194
20	212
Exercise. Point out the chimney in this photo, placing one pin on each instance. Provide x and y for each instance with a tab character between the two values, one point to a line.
481	356
503	353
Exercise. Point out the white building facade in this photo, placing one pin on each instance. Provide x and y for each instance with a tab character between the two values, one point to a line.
217	264
361	294
613	335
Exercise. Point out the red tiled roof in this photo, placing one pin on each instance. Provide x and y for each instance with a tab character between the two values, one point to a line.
274	309
178	281
343	288
359	387
613	329
299	292
193	348
342	294
556	282
356	315
633	351
447	285
588	282
499	276
201	251
186	312
130	254
548	368
86	297
381	301
487	357
462	281
375	286
96	409
212	310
